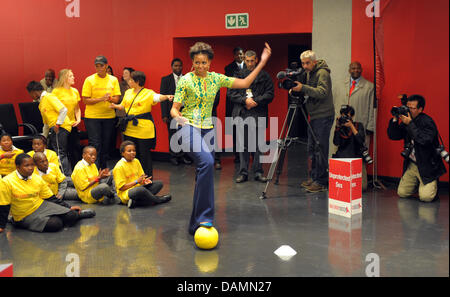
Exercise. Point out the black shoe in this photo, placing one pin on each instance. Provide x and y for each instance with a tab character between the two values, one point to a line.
260	178
174	161
186	161
164	199
109	200
241	178
218	166
87	213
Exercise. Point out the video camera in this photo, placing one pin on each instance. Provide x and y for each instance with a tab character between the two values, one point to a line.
286	79
396	111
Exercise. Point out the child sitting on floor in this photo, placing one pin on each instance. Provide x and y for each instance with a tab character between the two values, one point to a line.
86	179
8	153
134	188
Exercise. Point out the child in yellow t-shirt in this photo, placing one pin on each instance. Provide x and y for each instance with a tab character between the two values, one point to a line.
59	184
33	205
8	153
134	188
86	179
39	144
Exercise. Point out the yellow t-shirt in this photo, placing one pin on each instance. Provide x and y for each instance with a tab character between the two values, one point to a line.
52	157
96	87
125	172
24	196
82	175
53	177
70	98
50	107
8	165
143	103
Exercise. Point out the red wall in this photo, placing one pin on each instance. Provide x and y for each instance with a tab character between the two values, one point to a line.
416	60
37	35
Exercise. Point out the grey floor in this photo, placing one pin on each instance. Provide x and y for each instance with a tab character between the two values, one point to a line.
404	236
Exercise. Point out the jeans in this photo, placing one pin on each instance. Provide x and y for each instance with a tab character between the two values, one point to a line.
100	136
319	167
202	153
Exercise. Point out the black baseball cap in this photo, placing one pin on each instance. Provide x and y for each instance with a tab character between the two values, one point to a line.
101	60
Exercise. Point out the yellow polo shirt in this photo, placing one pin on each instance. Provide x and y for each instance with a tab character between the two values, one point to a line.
143	103
24	196
126	172
8	165
96	87
52	157
49	108
70	98
53	177
82	175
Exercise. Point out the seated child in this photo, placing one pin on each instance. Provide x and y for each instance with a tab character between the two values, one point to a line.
39	144
8	153
59	184
86	179
134	188
33	205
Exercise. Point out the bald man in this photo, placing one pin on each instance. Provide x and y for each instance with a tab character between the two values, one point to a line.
61	186
359	93
49	81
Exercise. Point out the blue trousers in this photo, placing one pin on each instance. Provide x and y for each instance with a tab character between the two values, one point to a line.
199	145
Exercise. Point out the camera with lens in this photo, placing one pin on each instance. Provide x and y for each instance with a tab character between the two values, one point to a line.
396	111
287	78
407	150
344	119
443	153
365	155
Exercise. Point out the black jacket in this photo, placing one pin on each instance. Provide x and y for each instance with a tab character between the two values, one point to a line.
167	88
424	132
349	146
263	93
231	70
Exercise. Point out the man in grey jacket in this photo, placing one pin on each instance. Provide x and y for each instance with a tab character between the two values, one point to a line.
320	107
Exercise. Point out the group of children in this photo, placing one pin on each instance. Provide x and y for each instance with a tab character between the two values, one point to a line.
34	190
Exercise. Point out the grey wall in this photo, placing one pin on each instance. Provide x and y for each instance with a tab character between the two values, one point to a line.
331	40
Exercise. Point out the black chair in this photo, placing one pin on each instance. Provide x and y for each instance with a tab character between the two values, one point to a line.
31	115
8	123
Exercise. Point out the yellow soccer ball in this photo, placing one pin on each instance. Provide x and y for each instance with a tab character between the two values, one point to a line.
206	238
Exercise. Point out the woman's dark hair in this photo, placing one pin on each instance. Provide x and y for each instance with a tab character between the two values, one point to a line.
139	77
131	70
110	68
34	86
20	158
201	48
420	100
124	144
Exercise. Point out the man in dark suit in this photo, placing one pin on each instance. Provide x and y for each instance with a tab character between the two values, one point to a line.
231	70
168	87
251	103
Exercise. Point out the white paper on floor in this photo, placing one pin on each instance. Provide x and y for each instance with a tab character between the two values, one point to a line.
285	252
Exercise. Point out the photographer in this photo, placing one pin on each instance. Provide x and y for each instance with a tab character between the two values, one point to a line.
320	107
349	137
422	165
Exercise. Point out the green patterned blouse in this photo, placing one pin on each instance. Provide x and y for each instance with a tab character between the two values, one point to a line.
197	95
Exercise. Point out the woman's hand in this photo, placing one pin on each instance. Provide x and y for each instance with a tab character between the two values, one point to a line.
267	52
77	208
181	120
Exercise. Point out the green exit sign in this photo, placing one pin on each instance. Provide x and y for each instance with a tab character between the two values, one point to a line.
236	21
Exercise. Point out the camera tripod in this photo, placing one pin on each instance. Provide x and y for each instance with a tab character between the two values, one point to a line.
284	141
